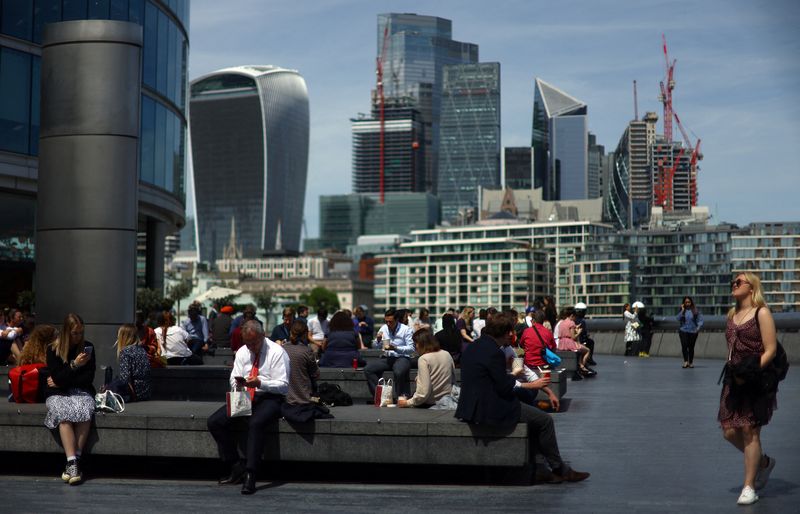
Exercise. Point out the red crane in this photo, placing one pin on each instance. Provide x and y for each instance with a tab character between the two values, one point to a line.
666	91
379	89
696	156
664	194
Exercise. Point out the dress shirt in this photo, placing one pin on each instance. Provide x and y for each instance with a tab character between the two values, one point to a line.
198	329
273	367
401	338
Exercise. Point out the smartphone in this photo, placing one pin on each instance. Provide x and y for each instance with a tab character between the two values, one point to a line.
239	380
88	350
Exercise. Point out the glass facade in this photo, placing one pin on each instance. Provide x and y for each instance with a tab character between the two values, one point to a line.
417	49
250	129
469	154
518	168
560	143
164	75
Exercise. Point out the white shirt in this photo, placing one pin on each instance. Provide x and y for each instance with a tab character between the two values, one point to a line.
273	367
477	326
317	329
175	345
402	339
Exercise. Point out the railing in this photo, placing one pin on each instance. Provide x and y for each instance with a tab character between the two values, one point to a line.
784	321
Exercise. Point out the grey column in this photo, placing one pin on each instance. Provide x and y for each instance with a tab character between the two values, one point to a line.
154	254
88	178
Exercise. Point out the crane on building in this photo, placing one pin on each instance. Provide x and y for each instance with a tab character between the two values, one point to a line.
695	156
382	120
666	91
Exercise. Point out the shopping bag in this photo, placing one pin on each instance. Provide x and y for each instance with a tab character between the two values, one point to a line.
387	397
238	404
109	401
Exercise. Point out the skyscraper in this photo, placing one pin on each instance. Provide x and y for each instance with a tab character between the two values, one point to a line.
518	168
417	49
672	173
250	129
469	153
560	143
162	140
594	167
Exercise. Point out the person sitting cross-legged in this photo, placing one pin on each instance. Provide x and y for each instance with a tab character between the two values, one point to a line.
488	397
263	367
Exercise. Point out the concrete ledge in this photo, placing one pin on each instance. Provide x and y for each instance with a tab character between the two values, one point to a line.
359	433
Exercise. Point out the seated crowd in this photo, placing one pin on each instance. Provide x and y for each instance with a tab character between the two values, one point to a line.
501	356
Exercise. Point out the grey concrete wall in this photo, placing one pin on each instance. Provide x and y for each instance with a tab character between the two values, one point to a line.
88	177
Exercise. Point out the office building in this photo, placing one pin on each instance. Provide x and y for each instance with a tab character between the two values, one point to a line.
162	126
469	151
517	168
771	251
528	205
250	129
403	150
600	277
560	143
343	218
672	176
417	49
594	166
629	192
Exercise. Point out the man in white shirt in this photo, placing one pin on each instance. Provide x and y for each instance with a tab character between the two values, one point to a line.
268	382
318	329
398	347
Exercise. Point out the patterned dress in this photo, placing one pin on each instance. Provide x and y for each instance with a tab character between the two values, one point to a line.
134	368
743	341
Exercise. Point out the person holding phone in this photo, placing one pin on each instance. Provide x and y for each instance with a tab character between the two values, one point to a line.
691	322
70	392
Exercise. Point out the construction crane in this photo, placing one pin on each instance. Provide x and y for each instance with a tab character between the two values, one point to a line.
696	156
664	194
666	91
379	89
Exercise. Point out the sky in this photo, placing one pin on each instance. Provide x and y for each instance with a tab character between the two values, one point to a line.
737	77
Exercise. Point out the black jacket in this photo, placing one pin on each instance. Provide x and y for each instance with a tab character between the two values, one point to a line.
487	391
67	378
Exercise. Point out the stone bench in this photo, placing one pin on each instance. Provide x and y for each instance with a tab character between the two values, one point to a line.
209	383
358	434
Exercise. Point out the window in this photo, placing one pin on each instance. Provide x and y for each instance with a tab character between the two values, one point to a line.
150	44
45	11
15	91
17	18
147	143
119	10
74	9
98	9
162	62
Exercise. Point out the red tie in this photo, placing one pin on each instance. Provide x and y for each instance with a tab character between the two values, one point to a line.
253	374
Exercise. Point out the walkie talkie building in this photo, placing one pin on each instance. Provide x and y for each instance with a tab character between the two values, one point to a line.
249	131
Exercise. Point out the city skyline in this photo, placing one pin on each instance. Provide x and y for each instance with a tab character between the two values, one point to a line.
737	77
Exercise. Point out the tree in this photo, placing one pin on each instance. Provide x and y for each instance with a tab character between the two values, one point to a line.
321	297
264	300
180	291
149	300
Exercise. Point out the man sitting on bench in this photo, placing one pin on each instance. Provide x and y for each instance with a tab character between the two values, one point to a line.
488	397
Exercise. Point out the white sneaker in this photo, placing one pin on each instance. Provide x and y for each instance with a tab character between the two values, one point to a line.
748	496
763	474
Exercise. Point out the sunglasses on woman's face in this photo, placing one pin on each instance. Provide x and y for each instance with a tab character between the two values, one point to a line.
735	284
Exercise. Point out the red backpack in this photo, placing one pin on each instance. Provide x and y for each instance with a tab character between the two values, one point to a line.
27	383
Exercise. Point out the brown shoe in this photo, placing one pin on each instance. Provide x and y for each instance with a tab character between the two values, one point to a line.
570	476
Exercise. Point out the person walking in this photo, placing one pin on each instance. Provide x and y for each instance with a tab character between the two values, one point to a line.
632	335
745	405
645	330
691	321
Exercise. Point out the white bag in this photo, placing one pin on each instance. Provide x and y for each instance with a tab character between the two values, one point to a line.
384	393
238	403
517	365
109	401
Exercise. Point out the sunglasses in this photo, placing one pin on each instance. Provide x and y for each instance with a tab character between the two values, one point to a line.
735	284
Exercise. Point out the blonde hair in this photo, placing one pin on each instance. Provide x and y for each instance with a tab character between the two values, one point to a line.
35	349
756	294
65	339
468	311
126	336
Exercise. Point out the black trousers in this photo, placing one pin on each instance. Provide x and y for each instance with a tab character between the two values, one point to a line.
266	409
400	366
688	340
542	436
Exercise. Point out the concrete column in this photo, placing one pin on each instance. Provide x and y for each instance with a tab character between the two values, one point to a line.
154	254
88	178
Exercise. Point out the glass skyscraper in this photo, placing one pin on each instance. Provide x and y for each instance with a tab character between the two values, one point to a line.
470	135
250	128
560	143
518	168
417	49
163	122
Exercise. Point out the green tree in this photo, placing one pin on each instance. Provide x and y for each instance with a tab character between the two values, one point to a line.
321	297
264	300
180	291
149	300
26	300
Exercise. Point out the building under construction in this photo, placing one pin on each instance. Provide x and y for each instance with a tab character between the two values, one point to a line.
673	175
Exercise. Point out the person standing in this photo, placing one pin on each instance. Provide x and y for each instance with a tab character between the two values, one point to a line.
262	366
70	392
645	330
691	321
745	406
632	335
488	397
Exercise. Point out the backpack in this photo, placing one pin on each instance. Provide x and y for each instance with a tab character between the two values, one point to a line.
28	382
333	396
781	361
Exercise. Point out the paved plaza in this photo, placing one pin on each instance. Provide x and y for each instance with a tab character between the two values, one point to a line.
645	428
